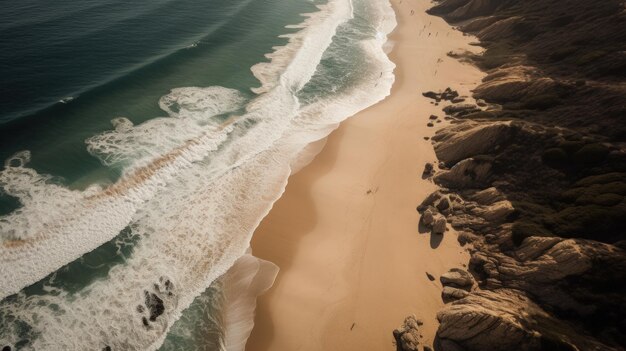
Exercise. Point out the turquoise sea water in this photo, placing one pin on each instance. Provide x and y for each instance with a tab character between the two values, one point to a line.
144	142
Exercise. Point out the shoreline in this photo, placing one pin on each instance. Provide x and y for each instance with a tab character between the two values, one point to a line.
345	232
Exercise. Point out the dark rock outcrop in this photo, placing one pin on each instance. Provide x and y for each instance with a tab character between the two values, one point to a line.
408	336
533	177
154	304
458	278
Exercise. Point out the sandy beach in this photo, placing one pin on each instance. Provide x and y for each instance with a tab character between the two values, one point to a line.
345	233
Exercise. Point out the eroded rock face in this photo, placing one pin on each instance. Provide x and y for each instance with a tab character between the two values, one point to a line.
496	28
513	84
467	173
468	139
496	213
480	23
487	196
458	10
487	320
538	266
450	293
504	320
516	166
535	246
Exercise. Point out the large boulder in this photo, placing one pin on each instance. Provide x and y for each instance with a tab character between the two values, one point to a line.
504	320
439	225
428	217
468	139
535	246
496	213
468	173
487	196
457	277
513	83
488	320
460	109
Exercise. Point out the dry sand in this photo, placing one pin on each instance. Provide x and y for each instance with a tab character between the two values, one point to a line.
345	233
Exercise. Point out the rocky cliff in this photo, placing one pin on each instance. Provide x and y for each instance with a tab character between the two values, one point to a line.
533	178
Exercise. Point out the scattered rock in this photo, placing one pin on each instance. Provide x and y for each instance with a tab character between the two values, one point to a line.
431	95
427	348
447	94
460	109
426	138
458	100
6	348
481	103
407	336
439	225
433	117
106	348
428	169
444	204
428	217
429	201
154	304
430	277
430	124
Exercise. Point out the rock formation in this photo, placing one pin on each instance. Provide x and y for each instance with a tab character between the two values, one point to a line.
533	176
408	336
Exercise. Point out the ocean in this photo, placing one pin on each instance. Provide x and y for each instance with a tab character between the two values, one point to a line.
144	142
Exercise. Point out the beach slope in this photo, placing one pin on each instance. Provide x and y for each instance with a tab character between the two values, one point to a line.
345	234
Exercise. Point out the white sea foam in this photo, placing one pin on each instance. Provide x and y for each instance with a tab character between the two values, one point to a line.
193	190
293	65
248	278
